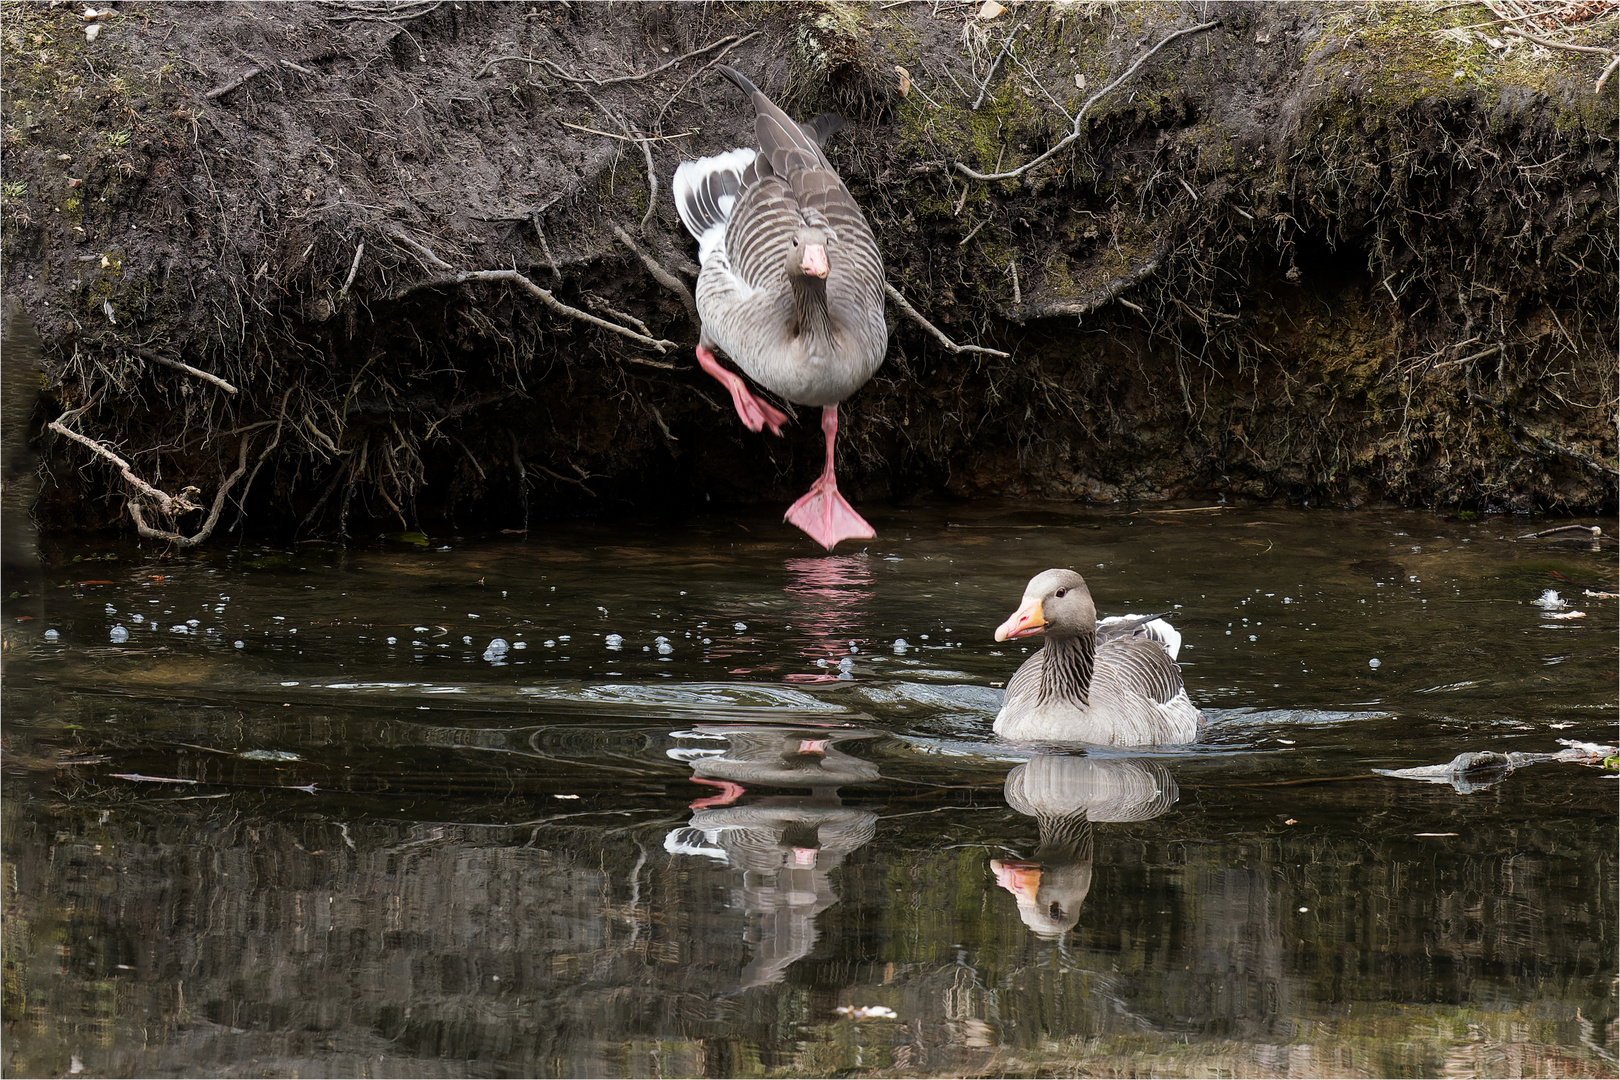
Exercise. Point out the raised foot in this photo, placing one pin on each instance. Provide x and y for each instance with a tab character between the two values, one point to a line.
824	514
753	412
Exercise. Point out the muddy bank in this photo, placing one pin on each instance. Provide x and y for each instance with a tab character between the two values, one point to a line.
1329	253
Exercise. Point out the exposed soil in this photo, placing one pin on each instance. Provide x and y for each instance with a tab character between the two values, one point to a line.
1327	253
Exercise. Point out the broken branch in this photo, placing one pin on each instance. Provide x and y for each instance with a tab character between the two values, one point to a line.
221	91
939	335
561	74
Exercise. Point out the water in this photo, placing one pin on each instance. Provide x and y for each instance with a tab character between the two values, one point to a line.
297	812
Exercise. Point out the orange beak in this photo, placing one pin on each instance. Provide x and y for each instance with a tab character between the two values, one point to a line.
1024	622
814	260
1018	878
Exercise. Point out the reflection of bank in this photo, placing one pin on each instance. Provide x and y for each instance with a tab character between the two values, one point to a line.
1066	795
785	847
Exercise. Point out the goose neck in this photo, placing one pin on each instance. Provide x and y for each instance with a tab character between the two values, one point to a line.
1066	675
810	313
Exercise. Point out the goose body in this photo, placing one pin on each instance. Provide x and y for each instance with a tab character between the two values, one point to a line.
1113	683
790	286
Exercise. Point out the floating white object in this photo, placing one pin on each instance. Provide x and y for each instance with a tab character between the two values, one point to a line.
1374	662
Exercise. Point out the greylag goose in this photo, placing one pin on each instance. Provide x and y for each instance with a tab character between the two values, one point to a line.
791	286
1113	683
1065	795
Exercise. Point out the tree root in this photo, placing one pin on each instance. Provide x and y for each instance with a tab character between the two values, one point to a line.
1087	304
661	275
939	335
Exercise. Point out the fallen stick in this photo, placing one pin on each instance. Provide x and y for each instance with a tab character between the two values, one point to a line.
221	91
1591	529
939	335
1080	116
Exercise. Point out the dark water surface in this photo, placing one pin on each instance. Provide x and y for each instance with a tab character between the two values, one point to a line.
653	800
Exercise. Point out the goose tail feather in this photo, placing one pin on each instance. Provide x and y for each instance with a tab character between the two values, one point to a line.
705	193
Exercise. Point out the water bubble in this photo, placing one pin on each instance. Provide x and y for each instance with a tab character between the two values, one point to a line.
240	644
111	610
615	642
118	634
193	623
708	641
664	647
51	635
137	618
739	626
900	646
923	636
1374	662
179	628
520	644
495	650
414	629
466	640
564	637
393	640
1286	600
472	615
1252	637
549	643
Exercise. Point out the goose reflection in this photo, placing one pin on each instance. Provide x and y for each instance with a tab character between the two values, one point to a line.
830	604
1067	795
785	847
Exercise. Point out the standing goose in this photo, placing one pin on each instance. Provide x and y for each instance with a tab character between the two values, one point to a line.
1113	683
791	286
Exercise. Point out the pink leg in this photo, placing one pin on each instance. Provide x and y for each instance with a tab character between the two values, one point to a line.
822	512
755	413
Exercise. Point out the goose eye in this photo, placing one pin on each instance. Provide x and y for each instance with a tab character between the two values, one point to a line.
795	243
1060	593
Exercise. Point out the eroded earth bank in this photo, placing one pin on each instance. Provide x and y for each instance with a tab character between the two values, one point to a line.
319	266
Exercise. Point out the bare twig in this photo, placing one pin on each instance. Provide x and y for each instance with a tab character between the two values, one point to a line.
1551	44
561	74
985	86
298	68
627	138
544	295
556	271
404	13
146	354
1604	78
221	91
939	335
421	249
719	56
354	268
661	275
974	233
1079	117
1482	354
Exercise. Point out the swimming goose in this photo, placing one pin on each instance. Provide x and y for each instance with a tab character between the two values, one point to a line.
791	286
1113	683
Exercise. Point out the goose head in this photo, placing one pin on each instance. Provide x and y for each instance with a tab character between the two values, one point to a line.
1055	602
807	257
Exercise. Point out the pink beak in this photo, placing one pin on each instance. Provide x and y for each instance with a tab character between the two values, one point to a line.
814	261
